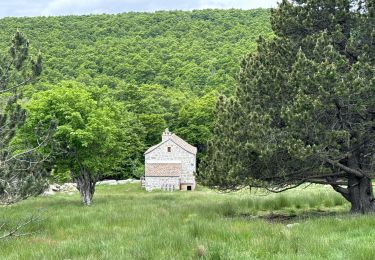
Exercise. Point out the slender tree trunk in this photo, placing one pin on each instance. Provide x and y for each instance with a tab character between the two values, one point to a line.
86	186
361	195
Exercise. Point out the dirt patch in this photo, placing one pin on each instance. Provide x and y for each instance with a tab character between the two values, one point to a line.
292	217
279	218
273	218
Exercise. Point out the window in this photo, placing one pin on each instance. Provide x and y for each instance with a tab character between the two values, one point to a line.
169	149
188	187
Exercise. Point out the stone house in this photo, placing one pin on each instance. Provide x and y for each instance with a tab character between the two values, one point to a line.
170	165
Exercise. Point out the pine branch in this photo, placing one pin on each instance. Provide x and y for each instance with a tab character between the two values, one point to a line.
357	173
285	189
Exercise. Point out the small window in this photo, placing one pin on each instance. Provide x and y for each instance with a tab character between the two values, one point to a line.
188	187
169	149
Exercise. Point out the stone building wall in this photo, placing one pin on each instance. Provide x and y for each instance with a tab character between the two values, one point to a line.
158	168
176	154
162	183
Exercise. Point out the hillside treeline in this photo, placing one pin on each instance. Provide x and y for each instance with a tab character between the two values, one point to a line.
165	69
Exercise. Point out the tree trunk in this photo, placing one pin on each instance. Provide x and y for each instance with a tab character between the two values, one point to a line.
86	186
361	195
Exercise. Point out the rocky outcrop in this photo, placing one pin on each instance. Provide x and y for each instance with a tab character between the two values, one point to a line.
107	182
114	182
66	187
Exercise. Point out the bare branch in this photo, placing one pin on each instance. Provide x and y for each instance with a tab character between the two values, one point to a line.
287	188
326	182
16	86
16	231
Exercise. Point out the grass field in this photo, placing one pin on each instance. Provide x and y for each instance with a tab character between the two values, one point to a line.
128	223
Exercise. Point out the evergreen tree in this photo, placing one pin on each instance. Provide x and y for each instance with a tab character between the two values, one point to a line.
21	172
304	108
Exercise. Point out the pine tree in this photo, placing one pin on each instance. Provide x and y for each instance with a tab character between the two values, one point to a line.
21	173
303	111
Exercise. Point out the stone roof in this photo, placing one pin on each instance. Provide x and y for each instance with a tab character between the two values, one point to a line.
170	169
178	141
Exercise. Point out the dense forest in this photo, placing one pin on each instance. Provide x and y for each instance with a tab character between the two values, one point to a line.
164	69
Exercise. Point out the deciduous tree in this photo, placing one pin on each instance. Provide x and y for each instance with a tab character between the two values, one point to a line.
93	133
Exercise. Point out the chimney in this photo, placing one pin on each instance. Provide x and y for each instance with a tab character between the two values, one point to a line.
166	135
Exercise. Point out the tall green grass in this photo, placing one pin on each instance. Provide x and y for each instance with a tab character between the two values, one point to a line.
126	222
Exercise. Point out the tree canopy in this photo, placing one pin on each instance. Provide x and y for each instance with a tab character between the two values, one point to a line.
303	111
162	66
196	51
94	135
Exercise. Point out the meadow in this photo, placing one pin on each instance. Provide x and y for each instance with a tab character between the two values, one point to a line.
126	222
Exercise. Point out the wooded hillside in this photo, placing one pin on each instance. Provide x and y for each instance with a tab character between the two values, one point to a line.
198	50
166	67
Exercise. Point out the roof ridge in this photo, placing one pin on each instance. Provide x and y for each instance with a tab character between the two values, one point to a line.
177	140
185	145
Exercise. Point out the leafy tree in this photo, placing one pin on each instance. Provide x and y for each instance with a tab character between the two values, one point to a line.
156	106
171	48
154	125
195	120
21	172
304	108
155	62
93	134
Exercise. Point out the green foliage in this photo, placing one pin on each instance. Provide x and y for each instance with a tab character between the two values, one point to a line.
94	135
21	173
303	110
156	63
156	106
60	176
195	50
196	120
